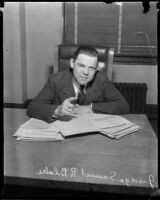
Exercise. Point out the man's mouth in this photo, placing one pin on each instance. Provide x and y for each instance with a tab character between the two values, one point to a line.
84	78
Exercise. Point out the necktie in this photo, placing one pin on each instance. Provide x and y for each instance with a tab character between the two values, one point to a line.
81	96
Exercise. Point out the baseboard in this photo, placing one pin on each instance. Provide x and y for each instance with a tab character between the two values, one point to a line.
26	103
17	105
151	109
13	105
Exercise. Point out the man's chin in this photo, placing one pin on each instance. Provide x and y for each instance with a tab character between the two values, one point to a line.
83	82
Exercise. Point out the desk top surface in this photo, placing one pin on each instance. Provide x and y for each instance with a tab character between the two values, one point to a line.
87	162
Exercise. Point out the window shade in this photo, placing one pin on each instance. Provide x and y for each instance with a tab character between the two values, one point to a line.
125	27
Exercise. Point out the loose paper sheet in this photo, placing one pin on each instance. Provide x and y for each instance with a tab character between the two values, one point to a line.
76	126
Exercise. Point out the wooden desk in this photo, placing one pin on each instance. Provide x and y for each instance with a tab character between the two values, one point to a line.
89	162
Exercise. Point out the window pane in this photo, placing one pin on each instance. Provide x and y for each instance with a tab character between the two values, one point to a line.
69	17
139	30
98	24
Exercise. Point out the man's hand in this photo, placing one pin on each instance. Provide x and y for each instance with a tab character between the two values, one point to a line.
79	109
66	107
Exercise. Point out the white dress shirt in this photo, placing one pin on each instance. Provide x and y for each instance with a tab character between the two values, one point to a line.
76	87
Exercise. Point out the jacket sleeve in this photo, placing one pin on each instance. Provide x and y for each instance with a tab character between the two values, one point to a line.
114	102
41	107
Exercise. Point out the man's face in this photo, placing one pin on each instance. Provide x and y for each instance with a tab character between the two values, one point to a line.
84	68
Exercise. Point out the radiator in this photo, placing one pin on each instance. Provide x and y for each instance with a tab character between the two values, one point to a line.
135	94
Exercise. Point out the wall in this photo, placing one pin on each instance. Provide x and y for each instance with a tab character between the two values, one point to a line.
32	32
43	34
12	54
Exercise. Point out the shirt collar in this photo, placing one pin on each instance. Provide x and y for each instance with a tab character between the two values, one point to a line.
76	87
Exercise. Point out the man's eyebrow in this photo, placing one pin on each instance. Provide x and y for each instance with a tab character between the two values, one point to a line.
91	66
80	63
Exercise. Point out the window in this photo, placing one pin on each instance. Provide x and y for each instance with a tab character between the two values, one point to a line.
122	26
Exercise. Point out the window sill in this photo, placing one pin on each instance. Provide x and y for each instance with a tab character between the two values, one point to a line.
134	60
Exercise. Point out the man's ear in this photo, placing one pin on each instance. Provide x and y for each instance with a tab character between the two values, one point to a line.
72	63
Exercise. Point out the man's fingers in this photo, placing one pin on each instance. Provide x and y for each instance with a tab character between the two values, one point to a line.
72	99
68	105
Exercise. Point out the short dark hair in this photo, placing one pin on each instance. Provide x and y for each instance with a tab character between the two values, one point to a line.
86	49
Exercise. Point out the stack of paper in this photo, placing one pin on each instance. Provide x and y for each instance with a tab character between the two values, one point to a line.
38	130
114	126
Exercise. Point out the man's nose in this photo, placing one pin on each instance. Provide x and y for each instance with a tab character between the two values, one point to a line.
86	70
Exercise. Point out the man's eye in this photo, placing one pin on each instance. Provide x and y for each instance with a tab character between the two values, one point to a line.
80	65
92	68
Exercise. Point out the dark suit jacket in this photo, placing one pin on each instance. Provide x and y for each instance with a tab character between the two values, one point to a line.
105	98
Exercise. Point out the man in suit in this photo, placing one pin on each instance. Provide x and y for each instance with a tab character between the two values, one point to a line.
81	86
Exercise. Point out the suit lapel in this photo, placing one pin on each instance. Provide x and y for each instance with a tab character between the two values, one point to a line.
68	90
92	94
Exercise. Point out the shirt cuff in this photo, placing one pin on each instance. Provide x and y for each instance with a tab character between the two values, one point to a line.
56	113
